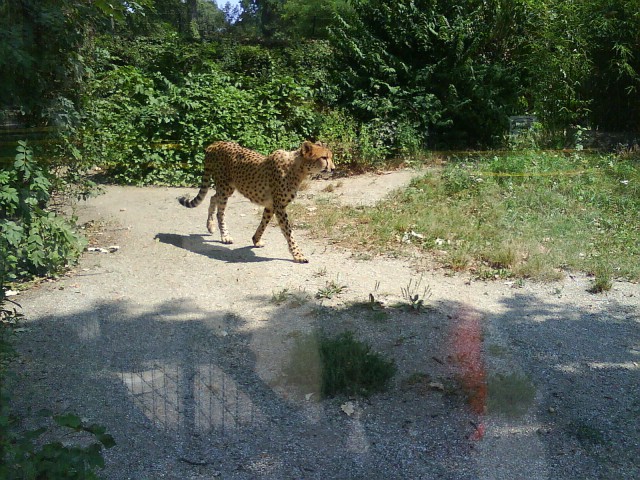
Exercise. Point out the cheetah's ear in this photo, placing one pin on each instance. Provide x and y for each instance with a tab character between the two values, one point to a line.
307	147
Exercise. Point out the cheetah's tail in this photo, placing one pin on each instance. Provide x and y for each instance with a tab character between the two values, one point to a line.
206	180
197	200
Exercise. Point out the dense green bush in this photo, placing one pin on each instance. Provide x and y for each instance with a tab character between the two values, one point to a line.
427	71
34	241
148	125
406	75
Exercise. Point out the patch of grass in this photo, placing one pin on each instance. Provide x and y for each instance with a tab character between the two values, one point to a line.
294	299
331	366
331	289
280	296
299	298
602	281
497	350
320	273
458	259
511	394
527	214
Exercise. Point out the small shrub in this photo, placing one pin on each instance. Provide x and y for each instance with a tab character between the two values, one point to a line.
33	241
338	365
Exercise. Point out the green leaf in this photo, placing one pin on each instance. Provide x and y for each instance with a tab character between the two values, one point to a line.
106	440
68	420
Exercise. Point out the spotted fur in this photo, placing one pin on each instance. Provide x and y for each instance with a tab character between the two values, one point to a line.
271	182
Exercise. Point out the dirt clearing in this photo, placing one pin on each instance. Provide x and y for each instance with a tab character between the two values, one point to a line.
178	344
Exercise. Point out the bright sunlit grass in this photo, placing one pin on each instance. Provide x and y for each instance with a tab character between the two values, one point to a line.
532	214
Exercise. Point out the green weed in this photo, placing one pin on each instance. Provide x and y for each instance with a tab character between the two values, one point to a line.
337	365
280	296
331	289
293	299
414	296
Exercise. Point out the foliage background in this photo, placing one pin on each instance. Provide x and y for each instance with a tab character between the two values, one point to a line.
139	88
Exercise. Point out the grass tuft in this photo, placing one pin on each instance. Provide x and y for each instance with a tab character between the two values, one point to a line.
331	289
586	433
602	281
337	365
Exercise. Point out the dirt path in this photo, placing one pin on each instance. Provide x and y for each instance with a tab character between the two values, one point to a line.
178	345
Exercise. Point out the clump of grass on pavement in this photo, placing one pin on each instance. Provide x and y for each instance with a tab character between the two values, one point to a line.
337	365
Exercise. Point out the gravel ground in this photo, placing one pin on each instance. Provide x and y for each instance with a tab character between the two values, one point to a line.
178	345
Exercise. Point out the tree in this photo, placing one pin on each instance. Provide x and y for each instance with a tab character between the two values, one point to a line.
41	44
211	20
312	18
554	62
438	68
261	15
612	33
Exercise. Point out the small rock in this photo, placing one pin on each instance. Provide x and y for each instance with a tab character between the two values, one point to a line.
348	408
436	386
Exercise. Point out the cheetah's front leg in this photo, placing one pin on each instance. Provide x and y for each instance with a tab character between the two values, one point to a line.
266	218
283	221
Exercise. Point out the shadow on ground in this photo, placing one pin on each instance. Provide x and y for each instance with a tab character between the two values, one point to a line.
205	245
180	390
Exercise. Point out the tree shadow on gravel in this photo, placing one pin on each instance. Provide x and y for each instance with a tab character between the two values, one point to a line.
585	363
181	390
205	245
174	377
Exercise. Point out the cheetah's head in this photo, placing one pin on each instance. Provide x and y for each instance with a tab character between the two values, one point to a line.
317	157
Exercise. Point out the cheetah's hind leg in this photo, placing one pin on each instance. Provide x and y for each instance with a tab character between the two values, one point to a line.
218	206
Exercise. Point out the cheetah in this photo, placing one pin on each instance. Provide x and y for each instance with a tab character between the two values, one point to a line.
271	182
